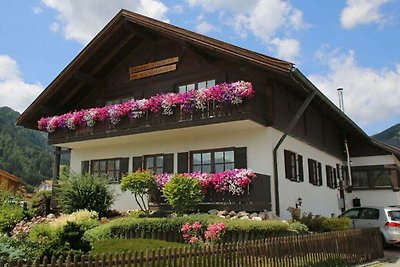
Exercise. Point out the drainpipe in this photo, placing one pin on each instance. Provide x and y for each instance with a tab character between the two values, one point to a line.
288	130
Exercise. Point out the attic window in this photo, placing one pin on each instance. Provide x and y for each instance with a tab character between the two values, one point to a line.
195	86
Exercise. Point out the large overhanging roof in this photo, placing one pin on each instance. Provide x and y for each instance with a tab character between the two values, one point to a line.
120	32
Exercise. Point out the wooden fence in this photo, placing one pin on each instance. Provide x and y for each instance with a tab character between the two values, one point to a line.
349	247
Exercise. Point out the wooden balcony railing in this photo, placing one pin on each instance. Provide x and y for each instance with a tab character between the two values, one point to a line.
253	109
256	198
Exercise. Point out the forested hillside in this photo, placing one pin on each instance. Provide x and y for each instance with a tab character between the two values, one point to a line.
23	152
390	136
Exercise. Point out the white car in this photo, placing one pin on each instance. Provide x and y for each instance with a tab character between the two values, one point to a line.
386	218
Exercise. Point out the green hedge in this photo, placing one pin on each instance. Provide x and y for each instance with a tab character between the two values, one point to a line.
148	226
316	223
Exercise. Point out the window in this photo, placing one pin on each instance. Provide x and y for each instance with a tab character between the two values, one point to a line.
293	166
352	213
213	161
369	214
331	179
154	163
314	172
360	178
109	168
194	86
377	176
381	178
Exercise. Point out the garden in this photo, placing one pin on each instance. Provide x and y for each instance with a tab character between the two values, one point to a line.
87	226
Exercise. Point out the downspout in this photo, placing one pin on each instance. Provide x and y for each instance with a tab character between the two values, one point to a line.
288	130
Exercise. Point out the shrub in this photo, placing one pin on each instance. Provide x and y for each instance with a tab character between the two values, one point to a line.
183	193
298	227
15	249
41	203
317	223
10	215
140	183
77	192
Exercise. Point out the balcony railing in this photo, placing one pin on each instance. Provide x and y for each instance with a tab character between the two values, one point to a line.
249	109
257	197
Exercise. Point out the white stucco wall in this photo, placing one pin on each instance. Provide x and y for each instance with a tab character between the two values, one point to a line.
372	160
384	197
259	141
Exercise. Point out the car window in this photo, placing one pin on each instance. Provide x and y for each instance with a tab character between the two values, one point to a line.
369	214
352	214
394	215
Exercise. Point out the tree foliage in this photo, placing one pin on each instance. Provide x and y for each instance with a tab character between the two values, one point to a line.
78	192
23	152
140	183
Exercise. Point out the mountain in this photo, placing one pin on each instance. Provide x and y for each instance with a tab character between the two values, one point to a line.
390	136
23	152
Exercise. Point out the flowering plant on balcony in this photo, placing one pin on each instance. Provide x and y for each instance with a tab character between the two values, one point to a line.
222	94
232	181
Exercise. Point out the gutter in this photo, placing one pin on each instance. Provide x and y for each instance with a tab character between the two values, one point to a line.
312	93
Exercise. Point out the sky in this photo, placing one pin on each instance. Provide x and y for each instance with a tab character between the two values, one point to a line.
352	44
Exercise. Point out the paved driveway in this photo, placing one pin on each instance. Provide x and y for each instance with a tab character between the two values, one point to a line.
391	259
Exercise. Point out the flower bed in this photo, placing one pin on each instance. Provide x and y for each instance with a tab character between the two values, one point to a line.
232	181
221	94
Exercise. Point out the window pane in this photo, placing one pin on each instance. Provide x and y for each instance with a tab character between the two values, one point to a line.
201	85
229	166
117	164
102	166
190	87
381	177
219	167
95	166
360	178
182	89
229	156
206	168
159	170
149	162
210	83
111	166
160	160
206	158
196	168
219	157
197	158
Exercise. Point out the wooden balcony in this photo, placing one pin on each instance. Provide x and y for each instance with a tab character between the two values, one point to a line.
252	109
256	198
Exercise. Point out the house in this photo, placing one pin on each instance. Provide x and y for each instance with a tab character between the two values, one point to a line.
286	130
45	185
11	183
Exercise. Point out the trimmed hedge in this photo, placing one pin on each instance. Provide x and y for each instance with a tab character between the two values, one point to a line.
161	227
316	223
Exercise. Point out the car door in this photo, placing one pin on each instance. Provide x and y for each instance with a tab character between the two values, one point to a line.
353	214
368	218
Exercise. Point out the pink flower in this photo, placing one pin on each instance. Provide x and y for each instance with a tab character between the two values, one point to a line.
193	240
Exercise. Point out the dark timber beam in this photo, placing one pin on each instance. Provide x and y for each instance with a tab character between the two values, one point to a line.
86	78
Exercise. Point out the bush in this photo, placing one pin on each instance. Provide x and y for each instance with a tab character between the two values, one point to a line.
317	223
298	227
15	249
41	203
183	193
140	183
145	226
77	192
11	211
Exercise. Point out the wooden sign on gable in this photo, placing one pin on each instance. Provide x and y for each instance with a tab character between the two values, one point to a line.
153	68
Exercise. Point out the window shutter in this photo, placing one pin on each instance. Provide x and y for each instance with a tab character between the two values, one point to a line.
123	166
288	164
240	155
301	172
311	174
85	166
334	175
137	163
320	181
183	162
168	162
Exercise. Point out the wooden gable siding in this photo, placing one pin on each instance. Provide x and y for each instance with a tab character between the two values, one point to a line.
314	127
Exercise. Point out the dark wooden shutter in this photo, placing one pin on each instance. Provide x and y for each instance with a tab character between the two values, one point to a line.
320	181
240	155
288	164
137	163
301	171
168	162
334	176
328	171
123	166
85	166
183	162
311	172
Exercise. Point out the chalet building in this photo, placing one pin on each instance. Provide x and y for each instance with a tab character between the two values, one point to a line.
109	107
11	183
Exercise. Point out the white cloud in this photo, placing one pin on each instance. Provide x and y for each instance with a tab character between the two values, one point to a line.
54	27
14	92
370	94
271	21
82	20
287	49
361	12
204	27
37	10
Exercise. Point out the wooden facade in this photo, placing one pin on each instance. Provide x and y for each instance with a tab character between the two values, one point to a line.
11	183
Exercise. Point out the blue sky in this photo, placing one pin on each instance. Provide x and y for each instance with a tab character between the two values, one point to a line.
352	44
